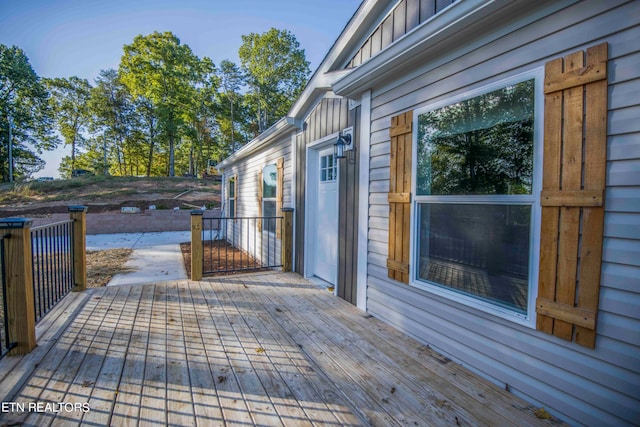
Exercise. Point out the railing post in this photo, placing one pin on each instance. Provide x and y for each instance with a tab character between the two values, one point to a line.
79	216
287	239
196	245
19	281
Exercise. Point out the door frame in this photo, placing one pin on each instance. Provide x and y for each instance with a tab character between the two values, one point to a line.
310	200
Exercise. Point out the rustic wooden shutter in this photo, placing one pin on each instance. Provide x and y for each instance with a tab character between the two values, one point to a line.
573	184
234	178
259	221
279	192
400	196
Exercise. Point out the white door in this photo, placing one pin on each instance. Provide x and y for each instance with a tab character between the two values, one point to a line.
325	228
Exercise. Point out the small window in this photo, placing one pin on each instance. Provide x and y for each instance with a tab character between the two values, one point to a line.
269	192
232	197
328	168
474	200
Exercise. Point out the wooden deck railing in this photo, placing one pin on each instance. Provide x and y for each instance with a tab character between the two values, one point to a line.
18	256
250	245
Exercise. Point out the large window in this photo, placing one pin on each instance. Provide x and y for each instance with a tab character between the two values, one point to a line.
474	196
269	192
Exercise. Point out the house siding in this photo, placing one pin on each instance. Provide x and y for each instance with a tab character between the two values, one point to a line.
348	218
579	385
247	171
329	116
404	17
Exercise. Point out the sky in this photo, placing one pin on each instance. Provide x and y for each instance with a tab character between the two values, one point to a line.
64	38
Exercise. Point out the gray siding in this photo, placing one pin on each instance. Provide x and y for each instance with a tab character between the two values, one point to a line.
329	116
404	17
348	219
593	387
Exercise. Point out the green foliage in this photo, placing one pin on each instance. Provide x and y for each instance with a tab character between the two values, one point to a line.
158	68
70	102
24	102
276	71
165	111
483	145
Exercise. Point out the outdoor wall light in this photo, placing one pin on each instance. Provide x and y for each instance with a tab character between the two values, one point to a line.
343	143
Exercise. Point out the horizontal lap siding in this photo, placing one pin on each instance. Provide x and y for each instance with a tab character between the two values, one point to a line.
248	170
581	385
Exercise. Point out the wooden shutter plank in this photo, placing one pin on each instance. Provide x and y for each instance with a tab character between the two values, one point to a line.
571	180
279	193
572	198
399	196
575	133
236	194
406	188
398	237
577	77
550	181
259	221
593	218
568	313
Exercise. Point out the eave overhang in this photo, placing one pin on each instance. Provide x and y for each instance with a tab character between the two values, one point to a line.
276	131
365	19
458	26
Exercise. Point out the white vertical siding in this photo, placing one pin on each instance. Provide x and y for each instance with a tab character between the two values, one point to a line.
582	386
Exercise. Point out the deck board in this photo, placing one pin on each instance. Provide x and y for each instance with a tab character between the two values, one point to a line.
266	349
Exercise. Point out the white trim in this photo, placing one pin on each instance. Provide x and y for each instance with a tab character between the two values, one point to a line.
278	129
532	200
359	28
310	199
428	40
363	200
292	202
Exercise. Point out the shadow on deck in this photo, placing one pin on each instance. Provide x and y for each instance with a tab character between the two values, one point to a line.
266	348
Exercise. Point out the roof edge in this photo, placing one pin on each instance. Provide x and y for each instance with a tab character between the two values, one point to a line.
278	129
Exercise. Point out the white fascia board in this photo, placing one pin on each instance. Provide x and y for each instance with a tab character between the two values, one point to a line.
313	94
418	44
355	33
278	129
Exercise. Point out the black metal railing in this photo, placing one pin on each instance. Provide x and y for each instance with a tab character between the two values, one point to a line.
236	244
5	340
52	252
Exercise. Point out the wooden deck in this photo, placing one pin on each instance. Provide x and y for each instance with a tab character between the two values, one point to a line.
265	349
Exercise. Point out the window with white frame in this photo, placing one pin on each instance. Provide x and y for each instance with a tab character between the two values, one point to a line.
474	197
328	168
269	192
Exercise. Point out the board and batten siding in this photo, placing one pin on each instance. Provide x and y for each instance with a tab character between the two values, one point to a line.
580	385
329	116
403	18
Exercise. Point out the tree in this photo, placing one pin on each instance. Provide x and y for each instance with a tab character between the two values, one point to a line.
276	71
202	115
157	67
112	113
24	103
231	81
70	102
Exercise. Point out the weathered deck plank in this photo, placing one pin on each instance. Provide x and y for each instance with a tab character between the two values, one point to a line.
261	349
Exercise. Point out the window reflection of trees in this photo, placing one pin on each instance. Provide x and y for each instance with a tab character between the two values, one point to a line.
483	145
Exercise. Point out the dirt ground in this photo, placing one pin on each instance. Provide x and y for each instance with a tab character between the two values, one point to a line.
107	194
103	265
220	256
